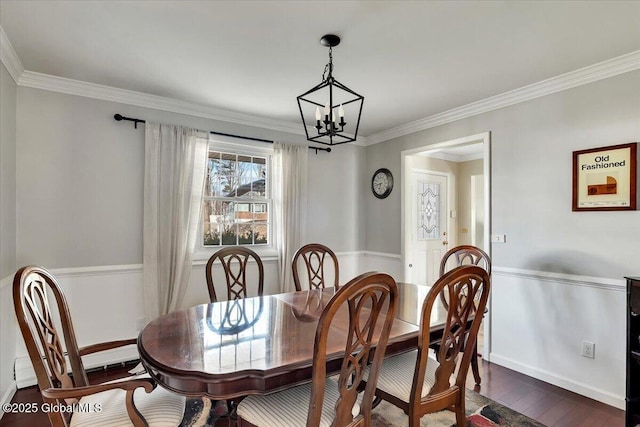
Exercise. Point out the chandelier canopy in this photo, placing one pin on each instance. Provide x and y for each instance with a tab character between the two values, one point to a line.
331	108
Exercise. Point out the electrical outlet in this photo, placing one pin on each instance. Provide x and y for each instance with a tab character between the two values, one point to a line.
588	349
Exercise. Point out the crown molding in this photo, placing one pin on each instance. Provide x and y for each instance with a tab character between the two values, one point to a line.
602	70
9	57
52	83
107	93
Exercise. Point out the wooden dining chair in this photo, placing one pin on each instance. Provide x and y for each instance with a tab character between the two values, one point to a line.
124	402
314	256
419	384
234	261
364	310
465	255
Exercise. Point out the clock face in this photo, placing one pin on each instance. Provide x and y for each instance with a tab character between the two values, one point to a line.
382	183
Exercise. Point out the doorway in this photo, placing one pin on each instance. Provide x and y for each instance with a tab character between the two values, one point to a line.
467	212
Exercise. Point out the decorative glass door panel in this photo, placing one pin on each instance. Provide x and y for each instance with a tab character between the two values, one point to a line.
429	210
429	203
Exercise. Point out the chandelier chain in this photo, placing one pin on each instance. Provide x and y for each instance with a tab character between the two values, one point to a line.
329	66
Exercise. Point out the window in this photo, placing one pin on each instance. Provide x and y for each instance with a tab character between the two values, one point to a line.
237	204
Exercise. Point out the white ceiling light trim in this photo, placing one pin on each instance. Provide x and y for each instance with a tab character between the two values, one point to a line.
9	57
602	70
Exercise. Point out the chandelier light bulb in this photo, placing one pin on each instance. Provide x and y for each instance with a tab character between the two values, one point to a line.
341	111
318	116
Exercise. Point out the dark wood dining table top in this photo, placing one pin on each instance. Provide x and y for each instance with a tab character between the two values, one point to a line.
257	345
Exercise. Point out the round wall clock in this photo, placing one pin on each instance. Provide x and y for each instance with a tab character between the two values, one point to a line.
382	183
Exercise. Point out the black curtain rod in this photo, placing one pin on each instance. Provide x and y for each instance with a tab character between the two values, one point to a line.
120	117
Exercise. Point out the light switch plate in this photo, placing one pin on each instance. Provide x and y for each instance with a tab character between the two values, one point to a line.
498	238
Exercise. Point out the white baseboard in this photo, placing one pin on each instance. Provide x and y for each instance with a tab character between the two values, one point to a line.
26	376
8	396
560	381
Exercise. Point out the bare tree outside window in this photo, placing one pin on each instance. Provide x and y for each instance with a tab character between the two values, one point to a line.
236	204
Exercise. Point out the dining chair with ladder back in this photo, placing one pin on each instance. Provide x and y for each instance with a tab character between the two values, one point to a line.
364	307
234	261
314	256
465	255
419	384
48	333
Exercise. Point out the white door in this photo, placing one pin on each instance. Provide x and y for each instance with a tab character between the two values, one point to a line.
429	225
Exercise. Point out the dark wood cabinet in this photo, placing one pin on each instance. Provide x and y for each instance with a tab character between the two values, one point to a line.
633	352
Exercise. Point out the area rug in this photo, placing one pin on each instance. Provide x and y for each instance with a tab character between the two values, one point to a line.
481	412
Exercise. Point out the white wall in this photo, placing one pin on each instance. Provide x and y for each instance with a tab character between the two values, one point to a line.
8	102
553	247
79	181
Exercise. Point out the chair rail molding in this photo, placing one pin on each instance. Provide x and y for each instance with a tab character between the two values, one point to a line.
618	285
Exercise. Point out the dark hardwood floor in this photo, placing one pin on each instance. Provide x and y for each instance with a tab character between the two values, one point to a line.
548	404
541	401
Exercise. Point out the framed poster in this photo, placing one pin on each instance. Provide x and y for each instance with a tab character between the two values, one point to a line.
604	179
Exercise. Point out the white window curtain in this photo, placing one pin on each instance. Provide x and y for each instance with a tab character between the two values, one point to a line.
175	161
290	196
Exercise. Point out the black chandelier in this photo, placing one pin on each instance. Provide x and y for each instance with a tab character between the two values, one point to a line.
328	101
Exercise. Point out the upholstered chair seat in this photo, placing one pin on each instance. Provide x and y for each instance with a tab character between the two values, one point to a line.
160	408
289	408
396	375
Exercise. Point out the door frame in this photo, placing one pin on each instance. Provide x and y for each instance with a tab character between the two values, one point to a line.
405	190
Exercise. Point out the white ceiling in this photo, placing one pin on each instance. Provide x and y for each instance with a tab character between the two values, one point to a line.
410	59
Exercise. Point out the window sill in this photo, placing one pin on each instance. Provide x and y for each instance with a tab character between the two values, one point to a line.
268	253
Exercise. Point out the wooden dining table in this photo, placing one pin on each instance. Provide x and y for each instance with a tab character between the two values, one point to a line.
230	349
